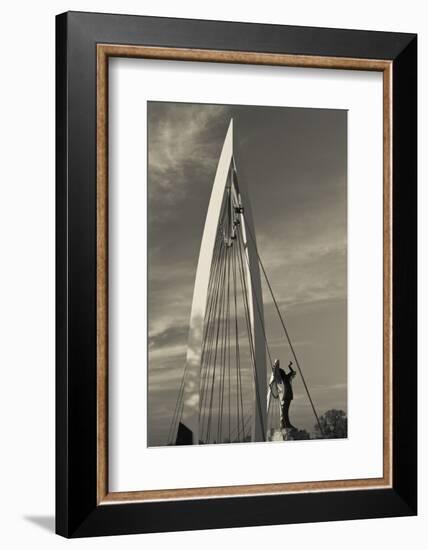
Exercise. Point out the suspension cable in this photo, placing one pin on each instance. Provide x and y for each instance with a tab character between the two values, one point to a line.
285	331
240	237
239	400
250	336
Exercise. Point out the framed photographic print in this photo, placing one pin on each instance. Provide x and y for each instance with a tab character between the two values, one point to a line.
236	274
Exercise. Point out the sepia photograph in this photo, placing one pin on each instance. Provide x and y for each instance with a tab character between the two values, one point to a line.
247	274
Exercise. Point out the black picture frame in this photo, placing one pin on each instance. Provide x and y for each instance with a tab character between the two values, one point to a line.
77	512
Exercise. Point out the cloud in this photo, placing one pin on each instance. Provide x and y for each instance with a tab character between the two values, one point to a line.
171	336
181	145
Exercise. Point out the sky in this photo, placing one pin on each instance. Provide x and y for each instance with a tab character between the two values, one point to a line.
294	165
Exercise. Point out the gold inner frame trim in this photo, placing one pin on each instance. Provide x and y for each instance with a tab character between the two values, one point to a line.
104	51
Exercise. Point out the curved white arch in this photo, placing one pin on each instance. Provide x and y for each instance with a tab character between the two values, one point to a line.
190	413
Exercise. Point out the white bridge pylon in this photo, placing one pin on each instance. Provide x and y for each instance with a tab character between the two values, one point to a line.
192	380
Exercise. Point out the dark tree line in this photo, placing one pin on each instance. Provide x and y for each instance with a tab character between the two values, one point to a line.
334	424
